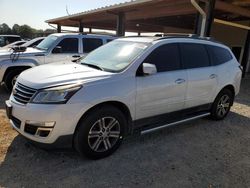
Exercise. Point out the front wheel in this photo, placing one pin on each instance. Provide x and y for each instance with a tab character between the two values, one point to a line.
11	78
222	105
100	133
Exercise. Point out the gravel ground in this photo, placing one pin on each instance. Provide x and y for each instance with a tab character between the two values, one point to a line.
201	153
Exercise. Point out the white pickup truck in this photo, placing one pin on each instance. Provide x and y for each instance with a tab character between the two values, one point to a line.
55	48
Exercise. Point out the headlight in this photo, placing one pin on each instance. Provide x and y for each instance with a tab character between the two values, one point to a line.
55	95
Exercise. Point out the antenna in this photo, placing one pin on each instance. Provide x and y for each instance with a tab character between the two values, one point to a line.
67	10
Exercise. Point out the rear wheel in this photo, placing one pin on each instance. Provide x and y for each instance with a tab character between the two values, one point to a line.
222	104
100	133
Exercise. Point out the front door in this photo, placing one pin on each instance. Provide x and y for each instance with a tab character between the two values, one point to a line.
66	49
164	91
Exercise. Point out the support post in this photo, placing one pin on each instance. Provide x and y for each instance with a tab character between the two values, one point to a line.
80	27
59	28
208	7
210	17
245	57
90	30
120	24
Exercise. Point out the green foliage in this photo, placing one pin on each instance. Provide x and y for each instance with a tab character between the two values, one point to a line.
4	29
24	31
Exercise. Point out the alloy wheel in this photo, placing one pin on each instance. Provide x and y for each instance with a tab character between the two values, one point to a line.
13	81
104	134
223	106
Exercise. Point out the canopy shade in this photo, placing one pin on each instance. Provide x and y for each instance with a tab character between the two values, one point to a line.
153	15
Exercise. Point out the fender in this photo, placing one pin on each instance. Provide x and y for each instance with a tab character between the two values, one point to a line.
5	64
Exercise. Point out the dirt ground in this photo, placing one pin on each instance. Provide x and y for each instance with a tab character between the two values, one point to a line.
202	153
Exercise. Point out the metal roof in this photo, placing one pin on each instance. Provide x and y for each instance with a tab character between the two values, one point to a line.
153	15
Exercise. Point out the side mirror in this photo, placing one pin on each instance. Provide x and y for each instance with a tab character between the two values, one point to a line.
57	50
148	69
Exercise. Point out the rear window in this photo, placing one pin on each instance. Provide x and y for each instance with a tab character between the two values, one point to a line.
90	44
2	42
13	39
194	55
218	55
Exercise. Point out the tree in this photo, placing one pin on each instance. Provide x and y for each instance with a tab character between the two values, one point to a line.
26	31
16	29
5	29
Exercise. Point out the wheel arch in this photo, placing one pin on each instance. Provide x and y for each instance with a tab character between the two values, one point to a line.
117	104
9	69
231	88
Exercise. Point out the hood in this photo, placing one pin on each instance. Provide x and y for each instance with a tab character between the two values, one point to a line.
5	53
59	74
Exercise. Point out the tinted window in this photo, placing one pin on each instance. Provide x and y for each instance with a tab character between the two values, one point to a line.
165	58
194	55
2	41
13	39
37	42
90	44
69	45
218	55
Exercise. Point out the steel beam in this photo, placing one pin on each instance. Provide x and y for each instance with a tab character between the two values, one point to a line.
120	24
80	27
59	28
246	54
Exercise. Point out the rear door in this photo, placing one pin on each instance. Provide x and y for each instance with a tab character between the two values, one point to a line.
164	91
90	44
202	78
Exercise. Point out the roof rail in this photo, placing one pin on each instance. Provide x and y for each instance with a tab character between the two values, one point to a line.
177	35
182	35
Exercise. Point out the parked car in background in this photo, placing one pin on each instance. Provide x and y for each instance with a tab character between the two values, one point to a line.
54	48
8	39
129	85
34	42
17	43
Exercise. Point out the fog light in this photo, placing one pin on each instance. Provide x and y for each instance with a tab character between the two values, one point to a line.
41	124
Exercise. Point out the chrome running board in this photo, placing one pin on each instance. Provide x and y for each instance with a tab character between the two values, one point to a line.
174	123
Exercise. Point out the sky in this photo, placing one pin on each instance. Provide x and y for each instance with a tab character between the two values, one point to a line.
35	12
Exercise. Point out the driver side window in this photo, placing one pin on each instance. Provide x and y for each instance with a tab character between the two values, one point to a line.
165	58
69	45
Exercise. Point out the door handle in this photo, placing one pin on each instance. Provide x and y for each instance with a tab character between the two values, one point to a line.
180	81
212	76
76	56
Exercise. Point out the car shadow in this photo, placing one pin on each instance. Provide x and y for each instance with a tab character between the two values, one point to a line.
244	95
4	95
200	153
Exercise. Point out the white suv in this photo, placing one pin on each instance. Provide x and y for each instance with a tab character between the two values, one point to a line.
54	48
131	84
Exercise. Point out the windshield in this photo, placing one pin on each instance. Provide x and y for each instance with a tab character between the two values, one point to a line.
47	42
115	56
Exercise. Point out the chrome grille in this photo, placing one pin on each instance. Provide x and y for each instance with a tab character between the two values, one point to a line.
23	94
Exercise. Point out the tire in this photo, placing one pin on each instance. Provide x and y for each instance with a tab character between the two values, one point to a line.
93	138
11	77
222	104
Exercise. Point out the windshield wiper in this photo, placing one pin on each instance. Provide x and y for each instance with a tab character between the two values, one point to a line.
93	66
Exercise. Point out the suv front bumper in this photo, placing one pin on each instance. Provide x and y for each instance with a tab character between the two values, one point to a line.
51	125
